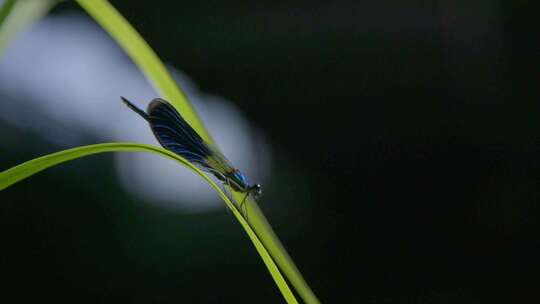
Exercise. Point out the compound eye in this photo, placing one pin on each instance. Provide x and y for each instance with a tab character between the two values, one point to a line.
258	189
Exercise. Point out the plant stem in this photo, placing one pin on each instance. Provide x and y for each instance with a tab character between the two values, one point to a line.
146	59
5	10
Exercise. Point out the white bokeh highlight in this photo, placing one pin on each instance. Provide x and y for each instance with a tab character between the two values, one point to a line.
62	79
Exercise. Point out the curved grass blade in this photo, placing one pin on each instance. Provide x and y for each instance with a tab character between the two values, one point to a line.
6	8
146	59
29	168
268	237
15	16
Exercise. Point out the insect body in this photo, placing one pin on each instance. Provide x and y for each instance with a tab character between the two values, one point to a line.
176	135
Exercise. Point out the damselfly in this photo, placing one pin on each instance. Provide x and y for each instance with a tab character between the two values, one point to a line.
177	136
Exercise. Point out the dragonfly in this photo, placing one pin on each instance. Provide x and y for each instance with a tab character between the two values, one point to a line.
176	135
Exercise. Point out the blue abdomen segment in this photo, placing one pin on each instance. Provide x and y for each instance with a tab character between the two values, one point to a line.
242	178
238	181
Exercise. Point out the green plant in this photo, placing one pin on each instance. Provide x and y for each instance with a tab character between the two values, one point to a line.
258	229
16	15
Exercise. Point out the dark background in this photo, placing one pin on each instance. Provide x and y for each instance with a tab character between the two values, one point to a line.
406	161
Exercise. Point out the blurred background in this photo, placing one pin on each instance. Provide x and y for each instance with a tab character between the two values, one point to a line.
397	144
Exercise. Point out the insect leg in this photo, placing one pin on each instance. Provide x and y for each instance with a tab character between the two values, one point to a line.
243	206
225	183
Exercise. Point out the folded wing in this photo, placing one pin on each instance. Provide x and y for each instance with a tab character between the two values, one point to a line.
175	134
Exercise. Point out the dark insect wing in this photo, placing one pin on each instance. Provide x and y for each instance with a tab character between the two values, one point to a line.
175	134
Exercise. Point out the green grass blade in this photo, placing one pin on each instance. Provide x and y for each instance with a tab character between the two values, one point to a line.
15	16
29	168
5	10
258	222
146	59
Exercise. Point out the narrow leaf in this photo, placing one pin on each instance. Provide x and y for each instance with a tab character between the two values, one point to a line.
146	59
29	168
5	10
15	16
